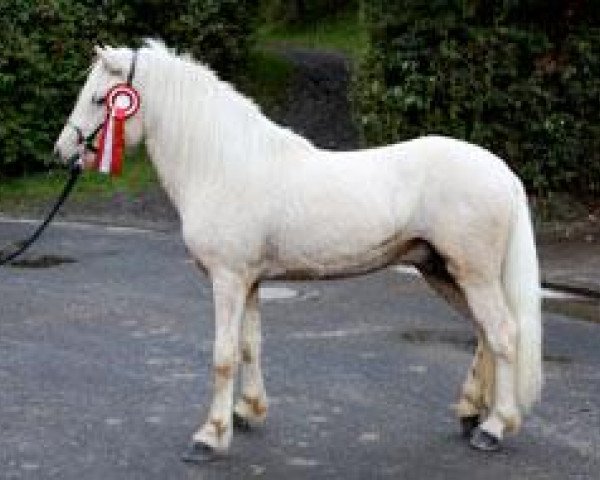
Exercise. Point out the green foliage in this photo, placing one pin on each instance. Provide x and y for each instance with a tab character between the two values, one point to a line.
295	12
521	78
266	78
219	32
47	45
342	32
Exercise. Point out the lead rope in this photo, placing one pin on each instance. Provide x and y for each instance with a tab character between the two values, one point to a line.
74	172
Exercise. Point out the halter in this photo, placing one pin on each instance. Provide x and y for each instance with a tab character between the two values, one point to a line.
75	167
88	141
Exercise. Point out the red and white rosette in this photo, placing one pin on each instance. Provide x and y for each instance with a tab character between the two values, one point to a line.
122	102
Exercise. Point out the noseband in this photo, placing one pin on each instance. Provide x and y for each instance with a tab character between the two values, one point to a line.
88	141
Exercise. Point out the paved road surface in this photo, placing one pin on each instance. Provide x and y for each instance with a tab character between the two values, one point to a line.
104	374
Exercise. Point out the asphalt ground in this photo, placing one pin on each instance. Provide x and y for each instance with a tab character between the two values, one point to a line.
105	374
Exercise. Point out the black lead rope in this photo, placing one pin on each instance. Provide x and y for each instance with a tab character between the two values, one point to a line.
74	172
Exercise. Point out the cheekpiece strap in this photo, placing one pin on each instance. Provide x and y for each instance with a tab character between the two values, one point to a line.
131	73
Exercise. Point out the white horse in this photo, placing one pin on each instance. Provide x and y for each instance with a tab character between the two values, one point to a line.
259	202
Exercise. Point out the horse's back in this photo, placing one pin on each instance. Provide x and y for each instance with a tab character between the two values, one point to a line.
433	158
453	159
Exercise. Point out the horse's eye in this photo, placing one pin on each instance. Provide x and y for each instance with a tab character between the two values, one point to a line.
98	100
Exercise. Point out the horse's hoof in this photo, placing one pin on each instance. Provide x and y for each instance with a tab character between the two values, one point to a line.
240	423
468	425
484	441
199	453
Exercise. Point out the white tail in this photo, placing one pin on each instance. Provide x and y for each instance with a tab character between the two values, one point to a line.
523	293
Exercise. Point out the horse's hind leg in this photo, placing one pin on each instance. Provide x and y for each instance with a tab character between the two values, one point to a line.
490	311
476	391
251	408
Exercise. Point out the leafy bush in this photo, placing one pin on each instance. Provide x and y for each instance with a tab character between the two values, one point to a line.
521	78
304	11
46	47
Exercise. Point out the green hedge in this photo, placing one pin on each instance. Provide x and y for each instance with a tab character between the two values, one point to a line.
47	45
521	78
296	12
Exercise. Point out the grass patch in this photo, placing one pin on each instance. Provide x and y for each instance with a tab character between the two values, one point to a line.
345	32
19	194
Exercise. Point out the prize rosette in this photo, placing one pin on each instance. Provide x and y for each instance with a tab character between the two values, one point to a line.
122	102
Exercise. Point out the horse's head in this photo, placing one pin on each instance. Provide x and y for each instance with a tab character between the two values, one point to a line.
112	66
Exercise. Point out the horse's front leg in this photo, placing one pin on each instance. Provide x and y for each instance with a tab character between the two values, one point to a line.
251	408
229	292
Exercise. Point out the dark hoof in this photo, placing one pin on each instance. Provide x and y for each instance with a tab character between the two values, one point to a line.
484	441
199	453
468	424
240	423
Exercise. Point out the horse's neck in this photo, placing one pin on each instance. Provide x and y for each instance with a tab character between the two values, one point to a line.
211	139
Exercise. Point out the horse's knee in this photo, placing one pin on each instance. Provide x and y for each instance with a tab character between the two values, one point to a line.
226	357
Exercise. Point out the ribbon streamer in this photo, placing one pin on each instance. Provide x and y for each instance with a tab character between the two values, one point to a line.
122	101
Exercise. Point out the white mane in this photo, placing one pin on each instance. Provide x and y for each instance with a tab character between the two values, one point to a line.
202	119
195	81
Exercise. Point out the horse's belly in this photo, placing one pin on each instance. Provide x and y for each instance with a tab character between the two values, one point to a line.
325	265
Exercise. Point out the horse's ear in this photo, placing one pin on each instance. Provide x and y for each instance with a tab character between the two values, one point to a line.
113	59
